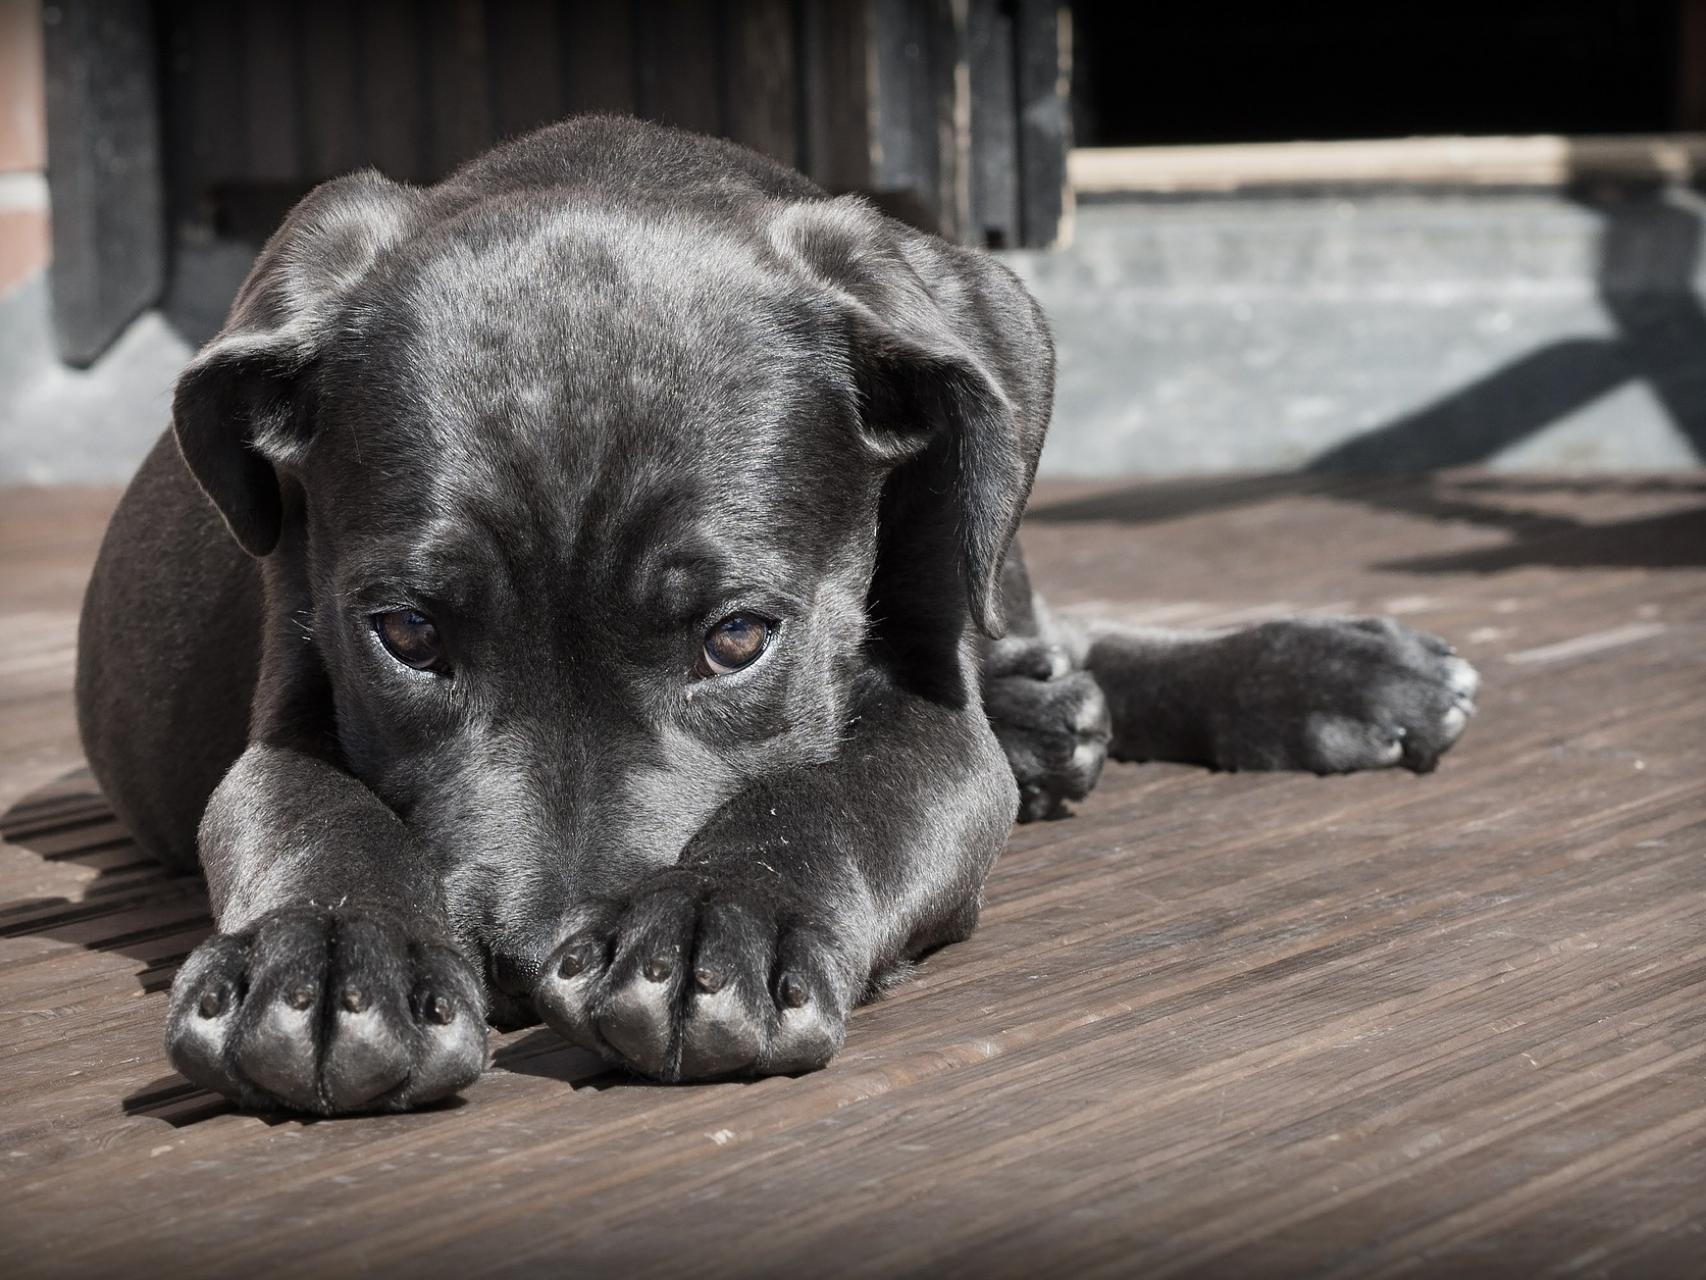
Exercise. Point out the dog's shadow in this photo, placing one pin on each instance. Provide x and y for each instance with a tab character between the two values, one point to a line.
541	1052
537	1052
132	906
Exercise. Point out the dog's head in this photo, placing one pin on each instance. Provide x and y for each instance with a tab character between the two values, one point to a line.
580	514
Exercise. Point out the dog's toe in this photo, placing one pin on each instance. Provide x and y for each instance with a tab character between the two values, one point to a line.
450	1023
365	1053
725	1015
1336	695
638	1021
205	1007
570	984
1439	706
720	1035
276	1051
1463	681
1054	727
1342	743
704	983
809	1024
326	1012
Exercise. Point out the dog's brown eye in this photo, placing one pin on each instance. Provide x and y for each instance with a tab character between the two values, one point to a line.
410	637
735	642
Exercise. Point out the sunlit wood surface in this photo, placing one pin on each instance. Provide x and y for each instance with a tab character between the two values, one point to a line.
1214	1024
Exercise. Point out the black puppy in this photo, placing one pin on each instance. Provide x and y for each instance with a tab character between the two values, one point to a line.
572	588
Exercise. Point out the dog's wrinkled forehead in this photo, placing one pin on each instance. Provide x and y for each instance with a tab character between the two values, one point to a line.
587	328
594	379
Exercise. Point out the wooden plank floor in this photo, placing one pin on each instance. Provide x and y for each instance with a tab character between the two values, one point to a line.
1214	1025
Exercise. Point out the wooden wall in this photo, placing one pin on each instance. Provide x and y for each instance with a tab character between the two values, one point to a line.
953	112
188	120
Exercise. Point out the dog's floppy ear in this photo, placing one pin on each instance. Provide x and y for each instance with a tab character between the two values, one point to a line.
951	360
244	406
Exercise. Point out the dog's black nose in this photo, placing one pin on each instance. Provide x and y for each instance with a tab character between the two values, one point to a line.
513	975
509	992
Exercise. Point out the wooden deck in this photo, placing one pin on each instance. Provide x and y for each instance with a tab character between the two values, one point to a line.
1214	1025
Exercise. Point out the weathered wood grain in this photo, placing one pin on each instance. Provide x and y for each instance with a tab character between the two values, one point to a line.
1212	1025
392	45
680	64
458	59
598	56
836	74
525	81
761	78
992	83
334	88
1042	37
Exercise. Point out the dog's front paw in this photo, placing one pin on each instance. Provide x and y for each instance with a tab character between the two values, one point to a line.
1052	723
327	1011
1335	695
692	979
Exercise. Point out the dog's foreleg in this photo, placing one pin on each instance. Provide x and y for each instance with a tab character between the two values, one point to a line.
331	985
1047	711
792	904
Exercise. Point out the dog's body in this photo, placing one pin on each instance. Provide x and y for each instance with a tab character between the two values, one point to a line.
572	589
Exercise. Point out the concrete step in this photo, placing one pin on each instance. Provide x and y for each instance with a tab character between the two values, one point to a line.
1195	336
1377	331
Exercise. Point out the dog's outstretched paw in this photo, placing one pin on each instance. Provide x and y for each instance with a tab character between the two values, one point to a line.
694	979
1051	720
1334	695
327	1011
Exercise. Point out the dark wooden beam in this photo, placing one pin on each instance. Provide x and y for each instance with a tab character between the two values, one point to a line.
459	116
334	91
761	77
273	78
525	81
1042	37
919	114
680	63
394	104
836	91
103	144
598	57
994	212
952	114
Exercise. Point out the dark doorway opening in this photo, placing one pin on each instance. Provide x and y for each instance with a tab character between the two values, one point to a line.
1247	71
